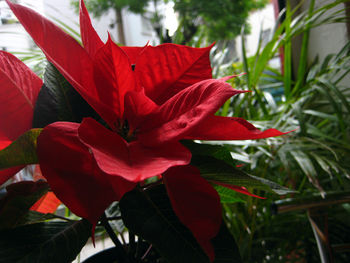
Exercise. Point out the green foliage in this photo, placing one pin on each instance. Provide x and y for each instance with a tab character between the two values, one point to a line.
20	152
312	159
212	20
99	7
59	101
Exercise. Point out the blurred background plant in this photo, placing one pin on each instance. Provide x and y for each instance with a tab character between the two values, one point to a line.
314	160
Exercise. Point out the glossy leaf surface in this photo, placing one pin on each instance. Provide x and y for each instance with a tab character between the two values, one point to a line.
44	242
58	101
218	171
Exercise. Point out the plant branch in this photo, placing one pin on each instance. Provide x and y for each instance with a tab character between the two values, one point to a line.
122	256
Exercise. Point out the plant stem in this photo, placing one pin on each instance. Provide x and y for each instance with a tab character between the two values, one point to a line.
122	256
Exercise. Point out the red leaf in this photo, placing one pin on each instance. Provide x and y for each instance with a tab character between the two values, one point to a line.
167	69
229	128
133	52
65	53
46	204
113	73
184	111
75	178
18	93
196	204
131	161
90	38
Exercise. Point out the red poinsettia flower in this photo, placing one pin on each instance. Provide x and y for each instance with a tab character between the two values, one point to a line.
19	88
150	98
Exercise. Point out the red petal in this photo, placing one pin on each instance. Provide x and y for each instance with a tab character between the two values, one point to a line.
196	204
113	75
90	38
131	161
229	128
65	53
239	189
186	110
167	69
72	173
18	93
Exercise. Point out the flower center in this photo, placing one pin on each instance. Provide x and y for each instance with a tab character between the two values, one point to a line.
125	132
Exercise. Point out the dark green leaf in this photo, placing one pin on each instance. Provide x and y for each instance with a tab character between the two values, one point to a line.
20	152
217	151
149	215
218	171
32	217
20	197
58	101
44	242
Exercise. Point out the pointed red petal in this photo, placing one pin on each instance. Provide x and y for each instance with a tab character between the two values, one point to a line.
65	53
239	189
130	161
90	38
184	111
229	128
59	47
113	75
18	93
72	173
196	204
167	69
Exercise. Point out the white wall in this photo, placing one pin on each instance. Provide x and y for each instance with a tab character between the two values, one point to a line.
326	39
137	30
260	20
133	25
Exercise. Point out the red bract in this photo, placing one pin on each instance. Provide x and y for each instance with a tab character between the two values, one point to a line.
150	98
200	212
19	88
